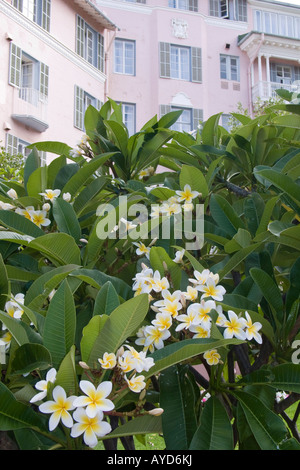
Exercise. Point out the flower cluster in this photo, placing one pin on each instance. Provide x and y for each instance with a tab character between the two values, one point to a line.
189	312
86	414
181	200
38	216
14	309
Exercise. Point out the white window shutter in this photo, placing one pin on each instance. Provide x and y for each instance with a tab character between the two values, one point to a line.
79	108
80	36
193	5
197	117
15	65
164	58
100	52
196	65
11	144
164	109
46	13
44	79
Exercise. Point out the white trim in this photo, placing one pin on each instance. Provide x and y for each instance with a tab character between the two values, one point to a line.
227	24
274	7
13	14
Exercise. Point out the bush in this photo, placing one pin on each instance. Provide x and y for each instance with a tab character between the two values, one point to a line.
112	327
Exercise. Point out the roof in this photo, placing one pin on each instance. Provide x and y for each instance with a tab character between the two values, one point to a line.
92	10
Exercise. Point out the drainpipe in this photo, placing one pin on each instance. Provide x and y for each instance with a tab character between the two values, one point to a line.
106	66
249	73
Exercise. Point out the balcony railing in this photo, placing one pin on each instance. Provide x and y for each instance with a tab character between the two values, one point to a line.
267	90
30	108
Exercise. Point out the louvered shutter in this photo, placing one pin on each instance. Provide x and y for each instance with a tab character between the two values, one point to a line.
15	65
79	108
80	36
100	52
164	109
45	21
11	144
196	64
197	117
164	58
193	5
44	79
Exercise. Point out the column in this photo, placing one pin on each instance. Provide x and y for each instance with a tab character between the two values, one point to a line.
269	88
260	83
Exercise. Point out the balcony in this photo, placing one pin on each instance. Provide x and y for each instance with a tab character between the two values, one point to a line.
267	90
30	108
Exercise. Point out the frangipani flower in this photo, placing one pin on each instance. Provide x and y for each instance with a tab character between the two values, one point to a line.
191	293
162	321
179	256
212	357
43	385
159	283
234	326
12	193
200	330
202	309
187	194
136	384
59	408
39	218
6	206
95	399
191	318
170	207
155	336
50	194
210	289
170	307
67	197
108	361
252	329
201	278
25	212
91	428
142	249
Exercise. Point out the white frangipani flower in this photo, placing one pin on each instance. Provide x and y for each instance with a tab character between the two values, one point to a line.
234	326
187	194
51	194
42	385
95	399
91	428
12	194
59	408
252	329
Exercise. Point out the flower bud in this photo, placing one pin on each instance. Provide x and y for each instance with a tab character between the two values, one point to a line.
83	365
12	193
46	207
156	412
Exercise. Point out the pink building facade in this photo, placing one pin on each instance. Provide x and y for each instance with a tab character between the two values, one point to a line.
201	56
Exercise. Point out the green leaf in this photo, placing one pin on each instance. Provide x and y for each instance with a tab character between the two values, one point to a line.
60	324
90	334
270	291
4	284
267	427
282	182
215	430
60	248
37	182
210	133
88	193
195	178
178	402
224	214
121	323
106	300
282	377
30	357
237	258
31	164
66	375
142	425
159	256
58	148
66	218
16	415
21	332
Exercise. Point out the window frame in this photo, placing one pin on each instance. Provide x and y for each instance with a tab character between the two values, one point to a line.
41	11
125	43
228	67
81	104
83	29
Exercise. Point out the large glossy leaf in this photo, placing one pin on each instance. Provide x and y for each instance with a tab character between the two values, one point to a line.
282	182
178	400
66	218
141	425
16	415
121	323
270	291
267	427
31	164
215	430
60	324
29	357
4	284
60	248
20	224
90	334
195	178
159	259
224	214
66	375
107	300
21	332
282	377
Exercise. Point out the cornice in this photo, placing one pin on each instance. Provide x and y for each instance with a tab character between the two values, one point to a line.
275	7
46	38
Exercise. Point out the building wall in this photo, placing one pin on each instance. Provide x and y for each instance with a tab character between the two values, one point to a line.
66	70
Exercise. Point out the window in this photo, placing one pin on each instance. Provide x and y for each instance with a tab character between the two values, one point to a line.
136	1
124	59
277	24
36	10
229	9
181	63
82	101
189	119
28	74
191	5
128	113
89	44
16	146
230	67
